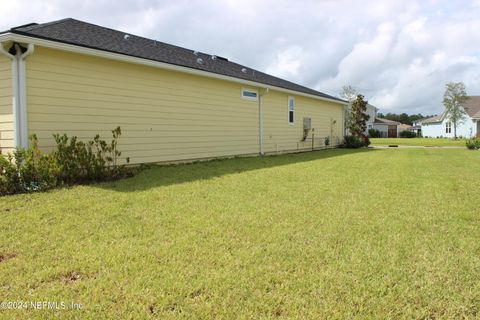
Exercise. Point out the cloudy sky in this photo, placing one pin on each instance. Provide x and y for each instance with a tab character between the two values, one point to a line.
399	54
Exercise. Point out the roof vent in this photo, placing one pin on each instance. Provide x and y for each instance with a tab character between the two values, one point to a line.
200	61
244	70
214	57
126	37
195	53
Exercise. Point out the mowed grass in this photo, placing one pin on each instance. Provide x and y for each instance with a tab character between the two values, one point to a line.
330	234
426	142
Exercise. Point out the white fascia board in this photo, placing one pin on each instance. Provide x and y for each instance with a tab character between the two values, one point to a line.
151	63
22	85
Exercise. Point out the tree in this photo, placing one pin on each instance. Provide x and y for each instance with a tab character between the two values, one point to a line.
453	100
403	118
348	93
358	117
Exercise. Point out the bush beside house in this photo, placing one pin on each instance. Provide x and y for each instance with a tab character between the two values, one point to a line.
407	134
72	162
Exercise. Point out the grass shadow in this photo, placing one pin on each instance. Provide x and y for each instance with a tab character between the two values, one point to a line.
165	175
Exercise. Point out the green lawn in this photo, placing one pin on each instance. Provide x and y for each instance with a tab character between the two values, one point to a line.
331	234
428	142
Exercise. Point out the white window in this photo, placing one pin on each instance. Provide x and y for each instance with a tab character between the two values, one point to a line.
291	110
448	127
249	94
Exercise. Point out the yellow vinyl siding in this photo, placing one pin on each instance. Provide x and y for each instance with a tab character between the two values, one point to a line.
280	136
164	115
6	107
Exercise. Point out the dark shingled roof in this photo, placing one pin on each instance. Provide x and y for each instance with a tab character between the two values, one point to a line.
88	35
437	118
472	106
386	121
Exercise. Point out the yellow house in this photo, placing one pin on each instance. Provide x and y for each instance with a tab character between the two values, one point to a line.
172	103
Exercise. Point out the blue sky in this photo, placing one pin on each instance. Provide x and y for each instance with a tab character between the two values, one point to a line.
399	54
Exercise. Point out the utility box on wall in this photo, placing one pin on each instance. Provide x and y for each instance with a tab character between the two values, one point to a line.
307	123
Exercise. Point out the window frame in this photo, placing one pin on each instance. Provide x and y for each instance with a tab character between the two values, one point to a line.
247	97
291	98
448	127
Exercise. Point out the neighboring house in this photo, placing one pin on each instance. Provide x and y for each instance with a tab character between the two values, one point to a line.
371	112
417	127
441	126
404	127
171	103
387	128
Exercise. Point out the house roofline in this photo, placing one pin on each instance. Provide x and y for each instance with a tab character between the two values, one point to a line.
40	41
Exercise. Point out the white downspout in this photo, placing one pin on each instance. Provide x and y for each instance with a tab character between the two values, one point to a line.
15	99
260	120
19	93
22	85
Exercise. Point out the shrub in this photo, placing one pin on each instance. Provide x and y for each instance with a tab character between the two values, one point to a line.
374	133
72	161
327	141
355	142
473	144
27	170
95	160
407	134
366	141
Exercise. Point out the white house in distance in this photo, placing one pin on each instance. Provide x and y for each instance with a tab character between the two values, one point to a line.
387	128
372	112
441	126
417	126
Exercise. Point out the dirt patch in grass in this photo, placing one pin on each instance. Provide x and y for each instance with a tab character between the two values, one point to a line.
197	294
151	309
71	277
7	256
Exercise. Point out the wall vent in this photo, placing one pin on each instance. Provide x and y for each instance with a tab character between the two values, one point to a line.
307	123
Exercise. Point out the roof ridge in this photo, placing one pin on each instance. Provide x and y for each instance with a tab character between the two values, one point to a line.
29	26
134	35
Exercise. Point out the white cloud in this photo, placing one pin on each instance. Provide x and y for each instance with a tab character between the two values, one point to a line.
287	62
399	54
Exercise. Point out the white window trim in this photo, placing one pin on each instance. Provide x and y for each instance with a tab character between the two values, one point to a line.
288	110
249	98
